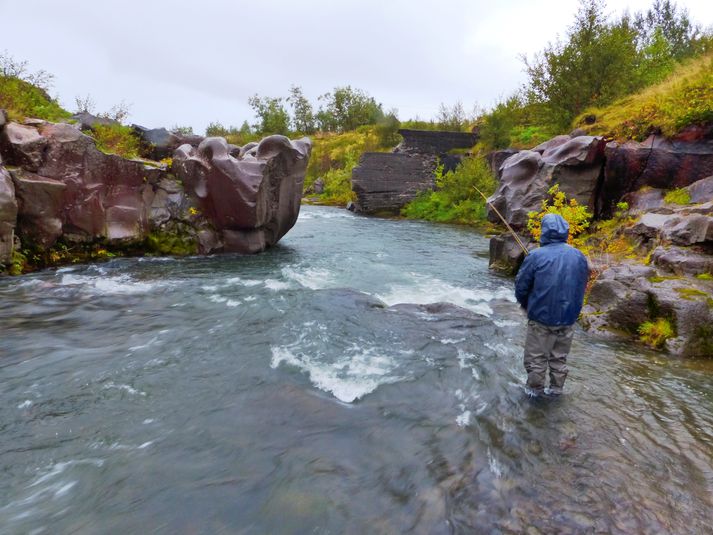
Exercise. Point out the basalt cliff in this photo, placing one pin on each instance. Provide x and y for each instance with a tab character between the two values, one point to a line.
62	199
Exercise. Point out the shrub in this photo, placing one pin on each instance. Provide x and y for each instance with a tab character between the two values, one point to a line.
678	196
655	333
116	139
577	216
455	200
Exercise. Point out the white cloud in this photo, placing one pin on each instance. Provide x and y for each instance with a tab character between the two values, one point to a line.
181	62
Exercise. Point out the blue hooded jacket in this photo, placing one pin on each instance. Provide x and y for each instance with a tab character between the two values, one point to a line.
552	279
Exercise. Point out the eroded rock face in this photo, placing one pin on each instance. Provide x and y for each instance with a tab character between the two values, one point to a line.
573	163
62	187
159	143
657	163
254	200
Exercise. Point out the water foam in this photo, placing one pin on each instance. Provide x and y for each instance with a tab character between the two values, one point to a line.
112	285
424	290
350	378
312	278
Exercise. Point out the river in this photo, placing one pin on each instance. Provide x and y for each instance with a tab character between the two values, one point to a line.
283	393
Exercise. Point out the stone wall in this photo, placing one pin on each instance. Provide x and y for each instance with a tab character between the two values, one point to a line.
385	182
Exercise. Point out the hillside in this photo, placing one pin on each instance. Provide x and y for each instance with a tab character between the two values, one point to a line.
683	99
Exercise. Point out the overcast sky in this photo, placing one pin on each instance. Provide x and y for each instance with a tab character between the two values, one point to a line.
189	63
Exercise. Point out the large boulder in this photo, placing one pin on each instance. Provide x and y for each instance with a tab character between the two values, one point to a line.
251	201
22	145
657	163
89	121
682	260
626	296
506	255
8	216
573	163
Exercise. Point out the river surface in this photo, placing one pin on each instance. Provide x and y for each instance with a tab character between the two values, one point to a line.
281	393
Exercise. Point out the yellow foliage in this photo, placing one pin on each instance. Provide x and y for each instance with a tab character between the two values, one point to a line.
576	215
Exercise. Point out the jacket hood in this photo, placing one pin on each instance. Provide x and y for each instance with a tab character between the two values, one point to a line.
554	229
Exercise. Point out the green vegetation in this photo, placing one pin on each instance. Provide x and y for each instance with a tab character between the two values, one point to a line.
24	94
705	276
597	76
577	216
655	333
335	155
172	242
116	139
455	199
678	196
682	99
690	294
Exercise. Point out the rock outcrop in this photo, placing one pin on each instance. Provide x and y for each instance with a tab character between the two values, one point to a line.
159	143
573	163
386	182
56	187
627	295
675	283
655	163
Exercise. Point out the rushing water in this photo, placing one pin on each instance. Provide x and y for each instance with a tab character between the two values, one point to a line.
275	394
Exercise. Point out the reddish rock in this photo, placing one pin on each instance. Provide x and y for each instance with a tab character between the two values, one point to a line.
252	201
657	162
40	205
22	146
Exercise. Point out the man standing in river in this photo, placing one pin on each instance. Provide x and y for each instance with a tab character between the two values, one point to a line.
550	286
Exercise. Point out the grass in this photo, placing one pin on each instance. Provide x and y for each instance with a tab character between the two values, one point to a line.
116	139
22	99
691	294
684	98
678	196
655	333
705	276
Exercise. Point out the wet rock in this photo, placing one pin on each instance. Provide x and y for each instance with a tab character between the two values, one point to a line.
506	255
23	146
682	260
701	191
3	118
387	182
657	163
252	201
680	227
627	295
8	215
573	163
40	205
319	186
645	199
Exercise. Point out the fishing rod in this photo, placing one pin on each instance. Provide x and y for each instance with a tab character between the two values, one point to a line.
514	234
